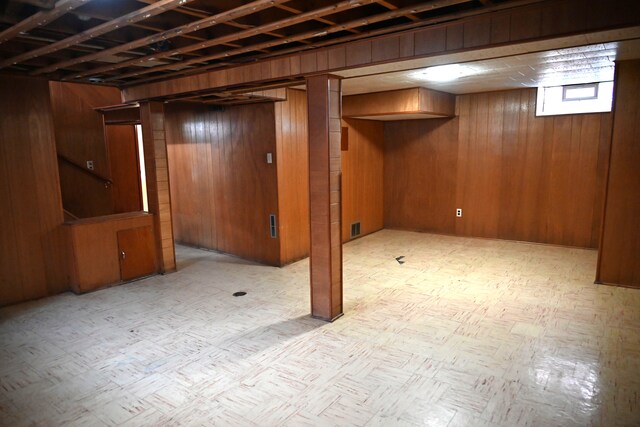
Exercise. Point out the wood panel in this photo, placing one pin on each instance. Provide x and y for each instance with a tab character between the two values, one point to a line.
32	245
223	189
83	195
512	25
292	160
323	103
619	261
420	164
94	261
79	130
516	176
396	104
124	166
79	136
380	103
157	174
362	177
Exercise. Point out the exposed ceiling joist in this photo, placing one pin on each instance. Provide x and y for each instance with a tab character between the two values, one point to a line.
298	12
181	31
184	37
128	19
350	38
283	23
41	18
422	7
391	6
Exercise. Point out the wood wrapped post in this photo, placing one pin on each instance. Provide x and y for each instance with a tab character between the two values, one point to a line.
323	99
156	168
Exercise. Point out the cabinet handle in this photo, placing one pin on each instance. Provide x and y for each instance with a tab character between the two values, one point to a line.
123	254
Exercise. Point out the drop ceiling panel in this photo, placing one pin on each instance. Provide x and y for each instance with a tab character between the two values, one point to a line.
574	65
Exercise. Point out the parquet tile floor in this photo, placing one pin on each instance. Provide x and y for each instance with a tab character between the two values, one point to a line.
467	332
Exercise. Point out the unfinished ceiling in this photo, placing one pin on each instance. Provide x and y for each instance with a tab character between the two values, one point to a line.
123	42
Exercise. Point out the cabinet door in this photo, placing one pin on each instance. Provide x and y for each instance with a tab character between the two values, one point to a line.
137	251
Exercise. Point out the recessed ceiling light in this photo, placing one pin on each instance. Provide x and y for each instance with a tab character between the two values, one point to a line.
445	73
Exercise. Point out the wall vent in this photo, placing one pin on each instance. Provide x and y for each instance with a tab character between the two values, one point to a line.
355	229
272	226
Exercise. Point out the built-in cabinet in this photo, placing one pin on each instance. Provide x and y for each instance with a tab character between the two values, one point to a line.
110	249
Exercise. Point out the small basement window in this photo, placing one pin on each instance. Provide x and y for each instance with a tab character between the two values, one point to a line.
575	99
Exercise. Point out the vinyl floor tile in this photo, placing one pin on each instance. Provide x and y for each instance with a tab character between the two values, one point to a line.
467	332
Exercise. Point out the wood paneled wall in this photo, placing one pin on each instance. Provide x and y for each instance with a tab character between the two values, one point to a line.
79	136
32	245
362	177
619	261
292	160
82	195
516	176
420	174
222	188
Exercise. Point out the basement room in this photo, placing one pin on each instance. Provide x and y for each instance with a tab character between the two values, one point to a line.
320	213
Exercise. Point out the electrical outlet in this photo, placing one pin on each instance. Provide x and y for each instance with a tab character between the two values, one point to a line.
90	165
459	213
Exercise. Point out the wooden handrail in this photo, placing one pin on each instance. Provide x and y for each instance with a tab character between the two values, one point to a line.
73	216
106	181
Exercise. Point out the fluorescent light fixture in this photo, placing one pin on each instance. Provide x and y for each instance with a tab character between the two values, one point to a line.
445	73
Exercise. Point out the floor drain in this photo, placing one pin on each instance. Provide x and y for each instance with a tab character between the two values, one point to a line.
239	294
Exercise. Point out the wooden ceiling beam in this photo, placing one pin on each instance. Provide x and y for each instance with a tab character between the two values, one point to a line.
200	14
392	6
185	10
41	18
487	2
247	27
122	21
422	7
181	31
307	16
147	27
340	40
298	12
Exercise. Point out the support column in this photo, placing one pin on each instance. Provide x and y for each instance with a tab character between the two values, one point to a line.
619	255
324	103
156	168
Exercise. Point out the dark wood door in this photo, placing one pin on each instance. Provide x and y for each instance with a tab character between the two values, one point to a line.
137	252
125	167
